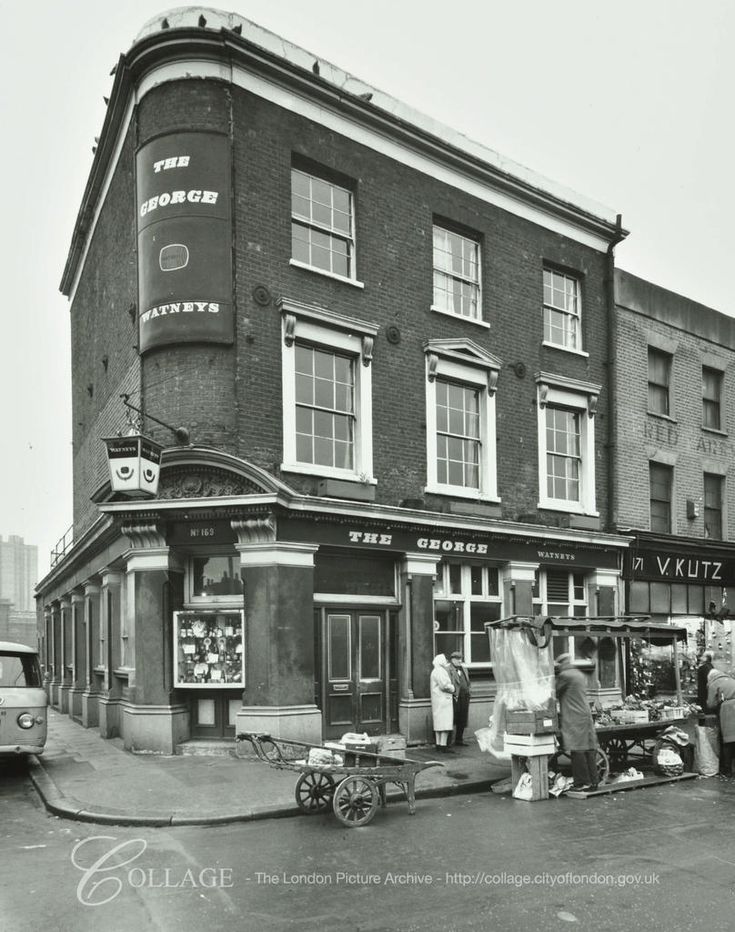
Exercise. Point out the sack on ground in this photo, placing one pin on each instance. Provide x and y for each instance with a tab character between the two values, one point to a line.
484	736
707	747
524	787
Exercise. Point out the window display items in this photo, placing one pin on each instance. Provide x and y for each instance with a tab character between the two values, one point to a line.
203	655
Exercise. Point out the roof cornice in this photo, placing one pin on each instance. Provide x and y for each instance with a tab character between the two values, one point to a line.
226	48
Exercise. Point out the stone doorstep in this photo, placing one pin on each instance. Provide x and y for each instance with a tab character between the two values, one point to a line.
207	747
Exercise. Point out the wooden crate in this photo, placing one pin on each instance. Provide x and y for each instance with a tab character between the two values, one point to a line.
538	767
531	722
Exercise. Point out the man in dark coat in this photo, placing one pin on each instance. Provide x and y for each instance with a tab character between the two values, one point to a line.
461	696
703	671
577	725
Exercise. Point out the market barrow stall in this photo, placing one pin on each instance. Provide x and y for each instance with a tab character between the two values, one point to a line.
616	739
349	780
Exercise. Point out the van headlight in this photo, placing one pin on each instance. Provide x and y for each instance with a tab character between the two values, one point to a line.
26	720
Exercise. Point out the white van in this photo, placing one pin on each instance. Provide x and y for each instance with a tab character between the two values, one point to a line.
23	701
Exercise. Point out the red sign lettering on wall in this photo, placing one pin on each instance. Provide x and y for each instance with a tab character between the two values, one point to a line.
184	240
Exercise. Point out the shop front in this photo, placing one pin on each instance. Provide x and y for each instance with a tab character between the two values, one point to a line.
232	603
685	581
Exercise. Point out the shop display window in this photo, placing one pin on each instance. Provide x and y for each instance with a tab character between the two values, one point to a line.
466	595
208	649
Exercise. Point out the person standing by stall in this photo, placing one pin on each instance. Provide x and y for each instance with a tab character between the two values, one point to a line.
721	696
461	682
442	702
703	671
577	725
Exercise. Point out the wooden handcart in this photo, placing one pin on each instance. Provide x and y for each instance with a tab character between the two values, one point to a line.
353	788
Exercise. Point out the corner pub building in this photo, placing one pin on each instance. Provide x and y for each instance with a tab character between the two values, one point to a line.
388	346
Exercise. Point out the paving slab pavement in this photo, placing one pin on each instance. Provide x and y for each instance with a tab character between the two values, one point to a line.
89	778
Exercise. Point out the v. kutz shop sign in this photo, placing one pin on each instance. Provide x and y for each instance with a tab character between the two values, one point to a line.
661	566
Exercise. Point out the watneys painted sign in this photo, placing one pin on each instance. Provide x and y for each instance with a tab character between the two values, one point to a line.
184	240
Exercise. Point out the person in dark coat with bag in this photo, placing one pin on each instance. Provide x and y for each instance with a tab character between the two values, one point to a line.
721	696
579	738
461	682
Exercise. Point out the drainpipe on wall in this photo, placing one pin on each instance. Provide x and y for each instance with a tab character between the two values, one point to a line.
612	441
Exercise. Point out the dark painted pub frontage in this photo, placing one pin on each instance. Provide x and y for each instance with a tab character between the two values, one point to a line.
232	602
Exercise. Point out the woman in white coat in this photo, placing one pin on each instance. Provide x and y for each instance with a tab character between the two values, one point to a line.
442	706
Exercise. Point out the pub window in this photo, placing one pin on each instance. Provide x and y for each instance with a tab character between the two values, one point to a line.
215	577
465	597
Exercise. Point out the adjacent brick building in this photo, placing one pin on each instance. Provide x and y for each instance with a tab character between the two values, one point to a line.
389	347
675	419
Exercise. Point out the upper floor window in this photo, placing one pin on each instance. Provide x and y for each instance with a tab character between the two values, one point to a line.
327	393
562	310
322	224
566	442
711	398
460	419
713	523
661	485
456	274
325	407
659	381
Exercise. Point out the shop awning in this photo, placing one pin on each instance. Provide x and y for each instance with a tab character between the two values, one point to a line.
617	626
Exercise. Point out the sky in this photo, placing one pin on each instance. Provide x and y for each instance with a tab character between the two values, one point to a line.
628	103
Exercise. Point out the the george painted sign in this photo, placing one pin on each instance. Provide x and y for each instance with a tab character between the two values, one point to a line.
448	542
184	240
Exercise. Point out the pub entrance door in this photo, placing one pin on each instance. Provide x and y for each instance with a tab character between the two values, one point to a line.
354	659
212	712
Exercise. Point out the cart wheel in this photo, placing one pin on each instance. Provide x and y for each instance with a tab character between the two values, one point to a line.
314	792
617	751
355	801
603	766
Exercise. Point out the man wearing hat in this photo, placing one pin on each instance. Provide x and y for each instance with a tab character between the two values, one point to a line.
577	725
461	682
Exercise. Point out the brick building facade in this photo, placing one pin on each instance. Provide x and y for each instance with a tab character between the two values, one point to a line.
392	362
675	418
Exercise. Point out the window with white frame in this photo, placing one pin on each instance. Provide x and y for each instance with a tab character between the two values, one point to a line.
559	593
327	393
457	283
562	310
566	444
460	419
322	224
466	595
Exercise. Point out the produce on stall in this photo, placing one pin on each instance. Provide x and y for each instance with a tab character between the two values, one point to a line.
522	650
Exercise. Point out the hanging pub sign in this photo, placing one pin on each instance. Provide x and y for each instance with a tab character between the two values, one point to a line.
184	240
135	464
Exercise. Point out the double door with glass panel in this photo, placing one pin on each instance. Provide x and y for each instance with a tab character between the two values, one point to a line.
353	661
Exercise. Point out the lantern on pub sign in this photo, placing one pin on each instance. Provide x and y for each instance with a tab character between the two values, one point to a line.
135	464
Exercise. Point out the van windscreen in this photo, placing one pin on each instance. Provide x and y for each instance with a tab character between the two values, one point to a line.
19	670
